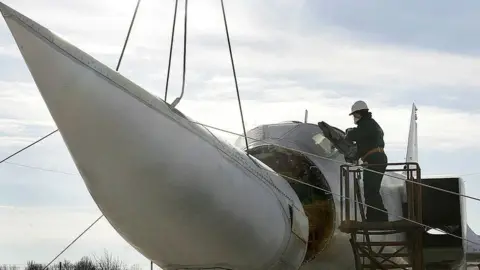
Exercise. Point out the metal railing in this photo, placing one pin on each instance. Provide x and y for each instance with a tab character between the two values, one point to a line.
350	176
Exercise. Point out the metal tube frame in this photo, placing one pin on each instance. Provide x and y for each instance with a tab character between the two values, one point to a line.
414	213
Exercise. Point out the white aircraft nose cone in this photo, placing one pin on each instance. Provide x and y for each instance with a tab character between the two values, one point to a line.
159	179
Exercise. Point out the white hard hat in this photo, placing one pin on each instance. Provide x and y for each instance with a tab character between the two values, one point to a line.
359	105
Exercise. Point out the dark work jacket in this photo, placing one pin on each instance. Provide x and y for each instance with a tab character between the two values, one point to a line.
368	135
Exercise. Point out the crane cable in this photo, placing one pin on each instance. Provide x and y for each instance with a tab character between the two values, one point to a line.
171	50
242	118
235	76
173	104
238	98
118	66
177	100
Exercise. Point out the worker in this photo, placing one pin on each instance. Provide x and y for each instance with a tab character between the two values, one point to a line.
368	136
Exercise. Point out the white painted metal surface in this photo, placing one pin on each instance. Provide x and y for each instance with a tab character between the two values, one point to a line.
164	184
170	188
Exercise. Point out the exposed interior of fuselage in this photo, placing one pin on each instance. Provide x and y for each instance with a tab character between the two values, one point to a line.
318	204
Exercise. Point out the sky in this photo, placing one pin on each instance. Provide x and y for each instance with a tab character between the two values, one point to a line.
290	55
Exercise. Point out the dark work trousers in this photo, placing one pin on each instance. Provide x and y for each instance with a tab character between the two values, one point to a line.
371	187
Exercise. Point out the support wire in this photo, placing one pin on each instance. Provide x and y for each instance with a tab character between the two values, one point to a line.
28	146
376	208
336	194
171	50
241	114
337	161
293	179
73	242
235	76
128	35
116	69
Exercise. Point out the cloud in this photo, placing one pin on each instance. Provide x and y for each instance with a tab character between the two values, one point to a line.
50	229
276	99
289	56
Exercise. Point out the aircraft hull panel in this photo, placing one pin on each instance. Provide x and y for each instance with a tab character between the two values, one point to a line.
171	189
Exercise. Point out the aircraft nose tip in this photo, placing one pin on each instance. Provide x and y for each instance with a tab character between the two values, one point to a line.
142	162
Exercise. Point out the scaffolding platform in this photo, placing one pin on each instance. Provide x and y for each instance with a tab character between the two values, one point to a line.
397	226
400	253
